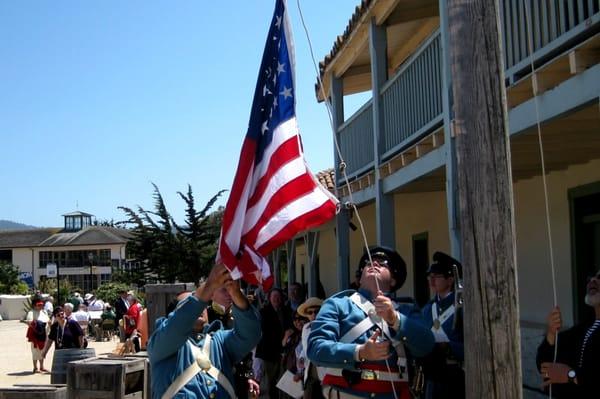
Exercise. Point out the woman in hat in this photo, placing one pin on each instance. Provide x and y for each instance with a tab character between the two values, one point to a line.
38	319
312	383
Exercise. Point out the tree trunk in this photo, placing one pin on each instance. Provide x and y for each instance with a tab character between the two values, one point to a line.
491	310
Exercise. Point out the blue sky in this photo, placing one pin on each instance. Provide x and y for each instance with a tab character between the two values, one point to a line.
101	98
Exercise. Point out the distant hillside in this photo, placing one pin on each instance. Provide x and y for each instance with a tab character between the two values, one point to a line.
8	225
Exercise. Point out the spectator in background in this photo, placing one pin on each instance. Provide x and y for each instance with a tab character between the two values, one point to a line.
312	380
68	309
292	359
108	313
131	321
38	319
65	334
83	318
121	306
94	304
296	293
49	306
76	300
275	319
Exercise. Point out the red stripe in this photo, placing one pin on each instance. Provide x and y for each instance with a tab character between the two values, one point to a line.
286	152
371	386
243	171
313	218
288	193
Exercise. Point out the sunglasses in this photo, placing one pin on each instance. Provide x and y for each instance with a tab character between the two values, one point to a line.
380	262
312	311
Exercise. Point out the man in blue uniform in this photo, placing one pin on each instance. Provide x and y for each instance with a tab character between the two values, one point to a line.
444	375
361	338
191	359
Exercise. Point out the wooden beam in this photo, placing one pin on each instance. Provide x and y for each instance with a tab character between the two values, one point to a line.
425	29
485	198
413	10
580	60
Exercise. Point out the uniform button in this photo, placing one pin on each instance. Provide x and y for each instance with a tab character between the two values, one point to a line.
212	395
372	395
208	382
345	361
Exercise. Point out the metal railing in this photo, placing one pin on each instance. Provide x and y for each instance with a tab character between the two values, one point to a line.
356	140
413	97
553	23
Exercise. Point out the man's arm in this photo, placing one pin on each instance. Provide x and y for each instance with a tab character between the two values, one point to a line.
246	328
173	332
413	332
324	347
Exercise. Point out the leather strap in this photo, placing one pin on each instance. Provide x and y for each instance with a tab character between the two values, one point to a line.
202	364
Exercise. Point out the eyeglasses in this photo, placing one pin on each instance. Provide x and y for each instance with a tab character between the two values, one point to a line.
380	262
311	311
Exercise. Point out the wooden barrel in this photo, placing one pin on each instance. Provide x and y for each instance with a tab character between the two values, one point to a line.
34	392
64	356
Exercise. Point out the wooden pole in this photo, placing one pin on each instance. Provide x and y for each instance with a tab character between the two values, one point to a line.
491	310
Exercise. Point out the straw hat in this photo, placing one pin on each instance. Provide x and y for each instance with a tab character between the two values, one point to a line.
309	303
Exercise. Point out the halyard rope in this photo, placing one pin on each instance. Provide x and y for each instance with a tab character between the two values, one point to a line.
342	166
543	165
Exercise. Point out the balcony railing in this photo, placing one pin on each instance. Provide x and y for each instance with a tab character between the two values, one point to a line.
412	99
553	24
356	140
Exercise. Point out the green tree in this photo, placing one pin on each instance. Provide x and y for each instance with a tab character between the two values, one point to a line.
9	280
166	251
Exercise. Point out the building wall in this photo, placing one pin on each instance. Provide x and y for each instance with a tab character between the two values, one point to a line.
23	259
419	213
534	274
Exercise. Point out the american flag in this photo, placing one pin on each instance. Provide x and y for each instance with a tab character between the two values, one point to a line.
274	195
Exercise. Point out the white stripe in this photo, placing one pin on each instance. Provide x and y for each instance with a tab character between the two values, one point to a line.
237	223
281	134
284	175
289	213
260	262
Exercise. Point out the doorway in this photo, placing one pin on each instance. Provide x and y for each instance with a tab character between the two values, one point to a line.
585	243
420	248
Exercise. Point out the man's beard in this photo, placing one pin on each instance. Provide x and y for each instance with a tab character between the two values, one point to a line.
592	300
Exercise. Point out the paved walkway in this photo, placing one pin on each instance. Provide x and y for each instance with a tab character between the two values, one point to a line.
16	365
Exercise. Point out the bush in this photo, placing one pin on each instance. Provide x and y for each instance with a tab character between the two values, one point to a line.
48	286
109	292
9	280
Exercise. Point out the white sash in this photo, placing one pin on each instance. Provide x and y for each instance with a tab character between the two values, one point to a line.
438	333
371	320
202	363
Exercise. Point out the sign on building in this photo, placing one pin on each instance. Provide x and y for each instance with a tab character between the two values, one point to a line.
51	270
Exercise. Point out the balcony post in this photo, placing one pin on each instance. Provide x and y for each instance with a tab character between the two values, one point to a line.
384	203
342	220
451	177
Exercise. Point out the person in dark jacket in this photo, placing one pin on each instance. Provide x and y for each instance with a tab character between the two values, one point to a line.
276	318
577	365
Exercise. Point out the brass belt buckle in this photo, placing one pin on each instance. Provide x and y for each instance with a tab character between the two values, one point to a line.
368	375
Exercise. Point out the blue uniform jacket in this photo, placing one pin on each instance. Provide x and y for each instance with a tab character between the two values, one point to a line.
339	314
170	354
454	335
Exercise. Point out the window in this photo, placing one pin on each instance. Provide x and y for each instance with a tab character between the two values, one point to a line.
6	255
101	257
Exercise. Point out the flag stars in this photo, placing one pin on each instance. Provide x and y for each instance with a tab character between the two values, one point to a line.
264	127
287	92
280	68
278	21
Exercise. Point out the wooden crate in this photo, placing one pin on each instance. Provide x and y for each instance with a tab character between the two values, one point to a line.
34	392
158	297
108	378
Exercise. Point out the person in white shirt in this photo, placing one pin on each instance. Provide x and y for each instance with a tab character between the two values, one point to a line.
83	318
49	305
94	304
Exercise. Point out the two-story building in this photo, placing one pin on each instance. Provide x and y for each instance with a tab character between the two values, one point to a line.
83	253
397	149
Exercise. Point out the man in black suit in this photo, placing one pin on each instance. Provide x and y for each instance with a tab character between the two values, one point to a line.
121	307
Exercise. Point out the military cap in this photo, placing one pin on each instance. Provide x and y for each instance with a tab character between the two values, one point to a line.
395	263
444	264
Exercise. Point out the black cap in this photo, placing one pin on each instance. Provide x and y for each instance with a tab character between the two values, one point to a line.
395	263
444	264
